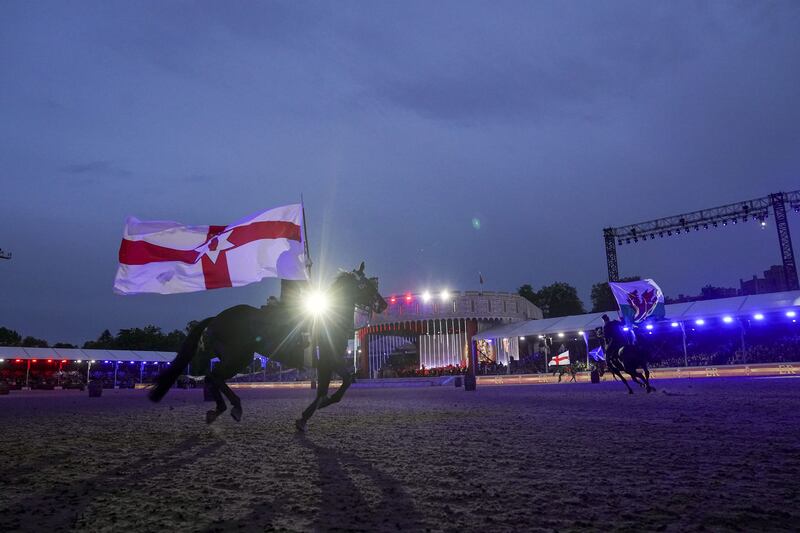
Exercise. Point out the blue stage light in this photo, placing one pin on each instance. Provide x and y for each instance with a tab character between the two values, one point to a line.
625	328
758	316
699	321
674	324
649	326
727	319
791	314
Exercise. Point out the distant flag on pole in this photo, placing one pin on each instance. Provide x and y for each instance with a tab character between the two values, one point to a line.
638	300
480	278
168	257
561	359
597	354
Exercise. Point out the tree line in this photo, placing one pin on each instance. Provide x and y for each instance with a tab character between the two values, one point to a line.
150	338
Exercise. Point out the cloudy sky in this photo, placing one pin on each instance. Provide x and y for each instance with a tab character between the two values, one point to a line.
400	122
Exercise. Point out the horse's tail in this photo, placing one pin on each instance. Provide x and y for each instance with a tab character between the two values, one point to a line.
185	355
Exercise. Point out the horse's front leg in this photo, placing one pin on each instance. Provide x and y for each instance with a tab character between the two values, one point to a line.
324	380
347	380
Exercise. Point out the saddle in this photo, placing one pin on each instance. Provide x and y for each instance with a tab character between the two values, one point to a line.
280	333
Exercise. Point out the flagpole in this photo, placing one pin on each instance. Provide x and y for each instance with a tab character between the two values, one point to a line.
305	238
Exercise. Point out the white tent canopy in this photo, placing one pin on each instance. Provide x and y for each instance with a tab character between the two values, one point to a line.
74	354
681	312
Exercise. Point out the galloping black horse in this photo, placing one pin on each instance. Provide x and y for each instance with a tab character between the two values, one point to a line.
622	354
280	330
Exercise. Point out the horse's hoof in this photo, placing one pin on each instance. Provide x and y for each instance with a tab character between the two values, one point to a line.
236	413
212	415
300	425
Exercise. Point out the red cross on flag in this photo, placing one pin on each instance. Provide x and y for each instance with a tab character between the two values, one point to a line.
168	257
561	359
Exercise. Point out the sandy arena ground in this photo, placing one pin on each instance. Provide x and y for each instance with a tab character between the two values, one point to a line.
718	454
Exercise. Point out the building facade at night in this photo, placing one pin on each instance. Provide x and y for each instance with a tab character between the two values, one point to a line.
439	327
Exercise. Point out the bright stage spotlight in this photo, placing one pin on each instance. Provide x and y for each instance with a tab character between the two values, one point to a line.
649	326
426	296
758	316
674	324
522	339
560	335
445	295
316	303
727	319
699	321
580	332
791	314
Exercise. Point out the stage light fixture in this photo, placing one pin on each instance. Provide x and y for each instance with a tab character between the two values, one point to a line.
626	328
426	296
580	332
791	314
699	321
649	326
560	335
445	295
78	361
316	302
92	361
758	316
408	297
522	339
674	324
2	360
727	319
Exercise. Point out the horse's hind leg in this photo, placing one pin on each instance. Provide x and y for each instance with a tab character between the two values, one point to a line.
236	402
215	392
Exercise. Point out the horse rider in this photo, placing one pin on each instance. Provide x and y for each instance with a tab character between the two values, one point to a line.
615	338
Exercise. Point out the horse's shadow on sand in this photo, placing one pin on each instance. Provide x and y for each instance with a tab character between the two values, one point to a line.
342	505
341	498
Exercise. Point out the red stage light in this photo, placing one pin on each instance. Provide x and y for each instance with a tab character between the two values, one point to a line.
63	360
17	360
408	297
393	300
33	360
49	360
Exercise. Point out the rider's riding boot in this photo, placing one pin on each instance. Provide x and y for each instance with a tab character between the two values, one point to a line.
236	412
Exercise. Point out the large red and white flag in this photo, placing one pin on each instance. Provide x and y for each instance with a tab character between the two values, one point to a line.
167	257
561	359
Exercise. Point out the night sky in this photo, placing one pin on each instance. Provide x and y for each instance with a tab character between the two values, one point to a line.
400	122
